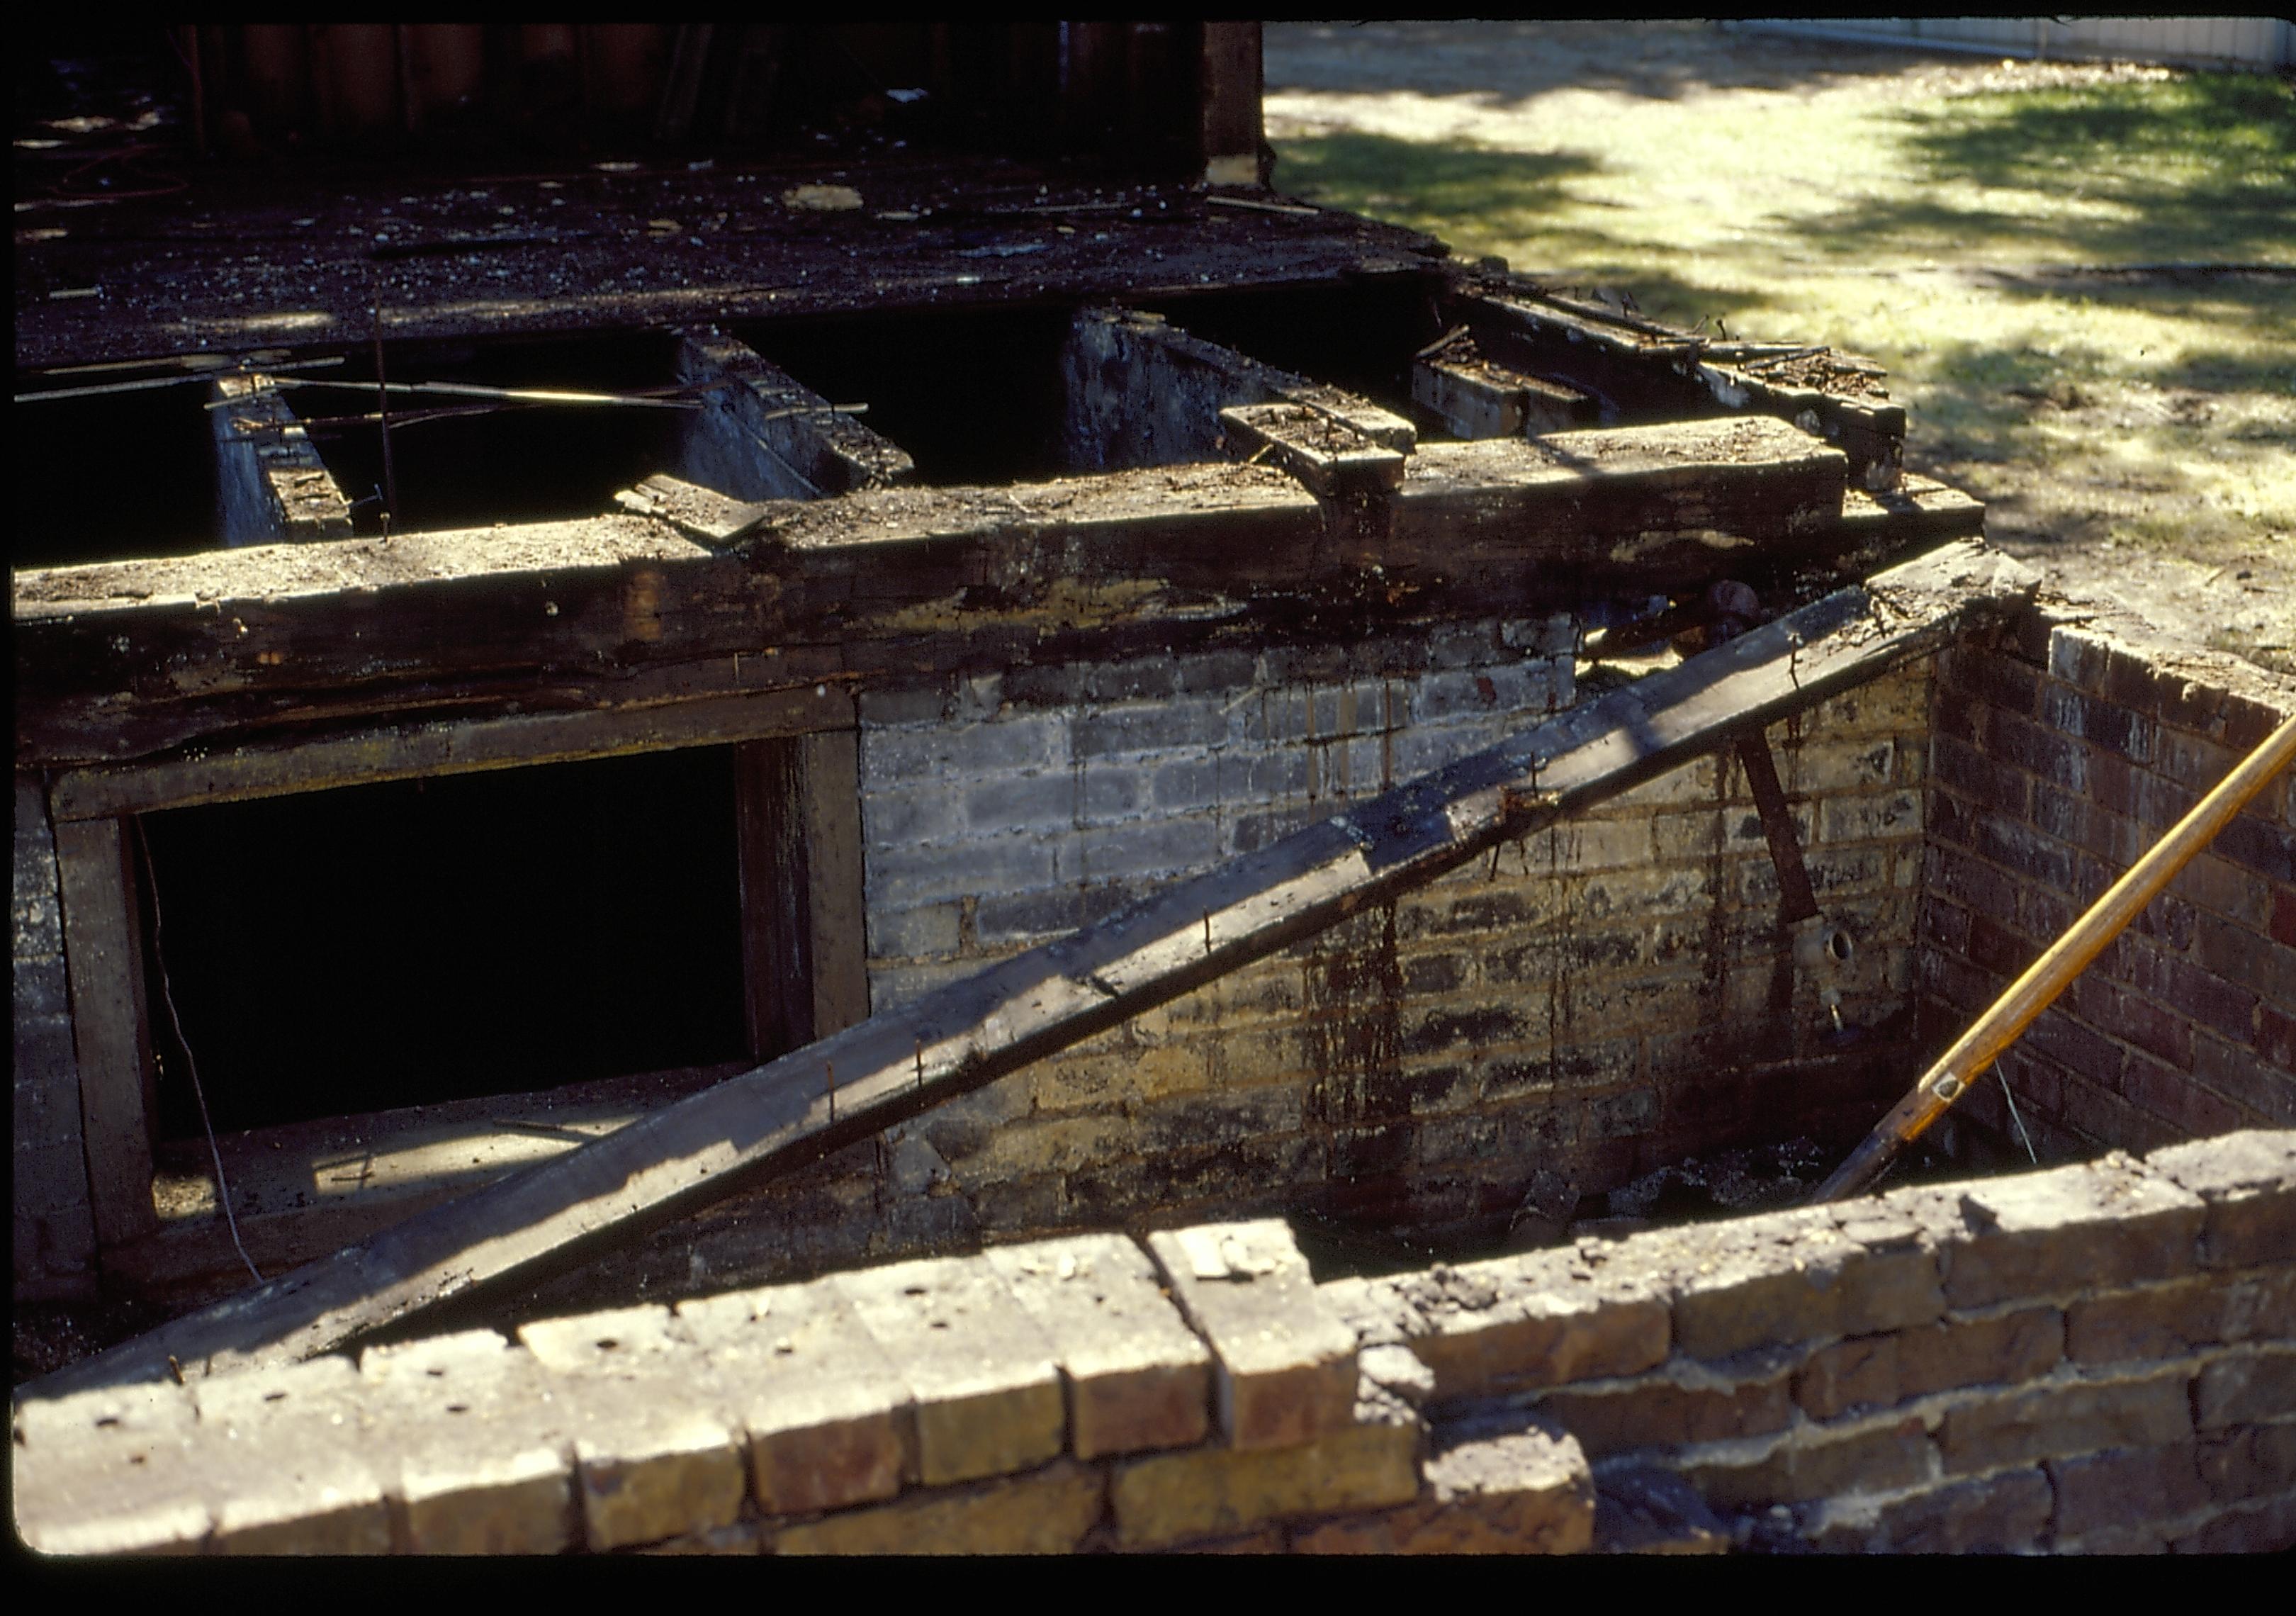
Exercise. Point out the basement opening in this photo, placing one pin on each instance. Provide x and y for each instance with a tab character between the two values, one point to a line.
425	940
121	474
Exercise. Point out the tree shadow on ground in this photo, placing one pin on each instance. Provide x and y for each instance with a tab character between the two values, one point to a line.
2204	158
1481	200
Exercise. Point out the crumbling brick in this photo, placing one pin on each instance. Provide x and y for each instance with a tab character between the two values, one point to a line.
2243	1387
2127	1487
2268	1527
2051	1421
653	1457
1998	1513
110	1472
2169	1320
1210	1492
1878	1371
2099	1224
1525	1490
1137	1378
2248	1181
1284	1369
988	1395
1045	1511
2248	1460
1688	1402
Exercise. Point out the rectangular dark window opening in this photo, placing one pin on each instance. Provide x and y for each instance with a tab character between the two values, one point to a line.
412	942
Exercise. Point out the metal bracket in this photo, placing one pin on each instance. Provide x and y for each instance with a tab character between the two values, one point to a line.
1797	902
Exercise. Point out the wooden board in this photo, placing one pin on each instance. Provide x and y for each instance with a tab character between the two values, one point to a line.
422	750
955	1039
122	660
271	485
104	954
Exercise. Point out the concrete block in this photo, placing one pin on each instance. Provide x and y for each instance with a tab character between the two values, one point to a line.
653	1457
2057	1421
1516	1324
827	1420
2245	1387
484	1454
1525	1490
1137	1377
2248	1181
1285	1368
980	1371
2082	1228
1211	1492
1046	1512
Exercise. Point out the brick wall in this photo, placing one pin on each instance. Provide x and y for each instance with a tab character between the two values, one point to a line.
2101	1357
2063	750
1599	1000
2094	1358
55	1228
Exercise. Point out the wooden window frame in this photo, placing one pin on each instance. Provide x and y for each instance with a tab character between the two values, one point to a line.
797	816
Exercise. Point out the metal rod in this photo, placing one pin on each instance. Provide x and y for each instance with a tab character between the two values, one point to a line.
2050	974
382	412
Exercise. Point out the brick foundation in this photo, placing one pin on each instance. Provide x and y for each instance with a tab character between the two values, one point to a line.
2096	1358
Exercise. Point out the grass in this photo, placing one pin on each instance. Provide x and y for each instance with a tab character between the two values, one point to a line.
1932	218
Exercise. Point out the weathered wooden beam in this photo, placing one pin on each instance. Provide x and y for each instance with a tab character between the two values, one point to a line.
104	956
271	485
1642	372
1474	398
1330	459
894	1065
1140	392
761	434
118	660
804	942
443	747
1229	81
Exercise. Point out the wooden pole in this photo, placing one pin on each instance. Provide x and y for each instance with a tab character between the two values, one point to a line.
2050	974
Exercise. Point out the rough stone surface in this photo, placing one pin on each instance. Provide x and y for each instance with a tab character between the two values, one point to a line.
987	1394
1878	1371
2049	1421
653	1456
1215	1492
1285	1364
1046	1512
110	1472
1525	1490
1137	1377
2249	1461
2129	1487
1516	1324
2248	1181
2268	1527
827	1421
2182	1316
1786	1276
1690	1402
2079	1228
1640	1509
2007	1512
2246	1387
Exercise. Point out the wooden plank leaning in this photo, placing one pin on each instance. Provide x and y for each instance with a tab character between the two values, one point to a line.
892	1066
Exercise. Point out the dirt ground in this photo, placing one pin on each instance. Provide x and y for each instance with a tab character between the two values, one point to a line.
2081	277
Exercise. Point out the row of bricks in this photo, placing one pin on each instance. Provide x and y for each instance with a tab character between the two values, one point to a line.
1440	648
786	1401
2183	1498
1605	1310
2102	1037
933	860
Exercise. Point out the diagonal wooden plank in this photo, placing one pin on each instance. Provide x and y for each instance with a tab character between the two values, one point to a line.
894	1065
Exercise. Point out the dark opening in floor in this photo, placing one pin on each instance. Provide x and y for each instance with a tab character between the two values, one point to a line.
473	463
1359	337
417	941
118	475
974	397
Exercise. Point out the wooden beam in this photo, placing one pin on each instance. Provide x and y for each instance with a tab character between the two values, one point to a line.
846	1088
411	751
104	956
1643	371
1473	398
1229	80
271	485
761	434
1139	391
804	946
1330	459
